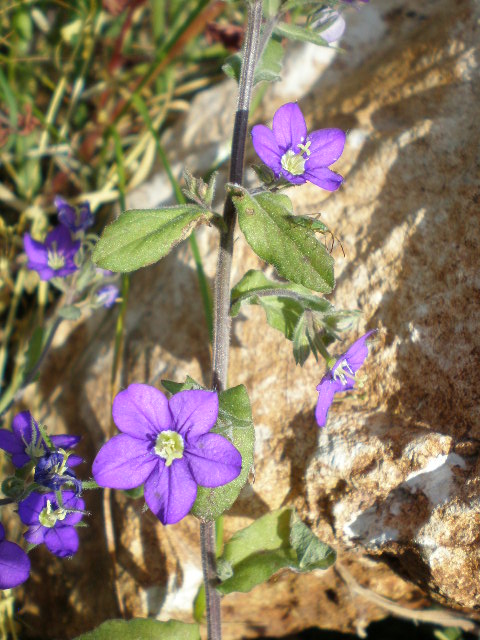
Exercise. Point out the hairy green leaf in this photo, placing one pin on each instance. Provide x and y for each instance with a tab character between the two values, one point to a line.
296	32
278	540
266	221
143	628
143	236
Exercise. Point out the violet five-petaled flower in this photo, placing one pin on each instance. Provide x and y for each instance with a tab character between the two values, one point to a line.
296	156
51	523
14	563
25	442
341	377
54	258
74	218
166	445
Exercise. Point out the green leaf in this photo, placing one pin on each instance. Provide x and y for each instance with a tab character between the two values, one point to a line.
35	347
270	65
268	68
70	312
234	423
144	629
312	553
278	540
143	236
174	387
270	8
303	34
266	221
200	605
282	312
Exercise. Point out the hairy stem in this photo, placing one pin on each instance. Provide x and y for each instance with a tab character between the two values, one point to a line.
221	324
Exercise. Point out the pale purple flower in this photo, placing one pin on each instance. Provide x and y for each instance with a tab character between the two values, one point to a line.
334	23
294	154
51	523
25	442
74	218
53	258
107	295
341	377
14	563
166	445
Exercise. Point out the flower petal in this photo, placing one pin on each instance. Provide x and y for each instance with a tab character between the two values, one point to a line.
324	178
355	356
171	491
62	238
194	412
123	463
36	251
30	508
266	147
289	126
74	461
23	425
62	541
71	501
326	390
14	565
326	147
141	410
10	443
2	532
35	534
65	441
213	460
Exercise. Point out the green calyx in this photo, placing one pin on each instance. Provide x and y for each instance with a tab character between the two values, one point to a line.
169	446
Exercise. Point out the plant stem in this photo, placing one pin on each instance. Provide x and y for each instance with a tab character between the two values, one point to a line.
221	325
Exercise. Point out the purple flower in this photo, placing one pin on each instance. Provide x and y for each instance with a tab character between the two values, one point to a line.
166	444
25	442
14	563
52	471
75	219
334	23
54	257
341	377
107	296
52	523
293	154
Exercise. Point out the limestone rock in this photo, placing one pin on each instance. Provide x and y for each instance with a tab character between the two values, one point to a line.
392	482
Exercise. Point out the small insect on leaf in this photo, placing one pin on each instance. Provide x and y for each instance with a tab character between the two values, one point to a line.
313	223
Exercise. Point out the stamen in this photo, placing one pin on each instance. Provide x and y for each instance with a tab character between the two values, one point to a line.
169	446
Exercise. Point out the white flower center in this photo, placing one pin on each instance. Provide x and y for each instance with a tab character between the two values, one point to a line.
55	260
343	371
169	446
48	517
293	162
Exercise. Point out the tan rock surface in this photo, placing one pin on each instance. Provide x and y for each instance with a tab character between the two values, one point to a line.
392	481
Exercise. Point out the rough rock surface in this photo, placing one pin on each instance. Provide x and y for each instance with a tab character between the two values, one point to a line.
393	480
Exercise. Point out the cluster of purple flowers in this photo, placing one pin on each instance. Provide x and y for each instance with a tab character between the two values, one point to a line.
55	258
50	511
58	255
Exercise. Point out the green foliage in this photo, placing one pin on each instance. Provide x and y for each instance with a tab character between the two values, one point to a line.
143	628
266	221
141	237
278	540
303	34
268	68
70	312
235	423
449	633
174	387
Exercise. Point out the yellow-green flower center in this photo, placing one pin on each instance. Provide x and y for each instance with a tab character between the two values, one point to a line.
55	260
48	517
293	162
169	446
